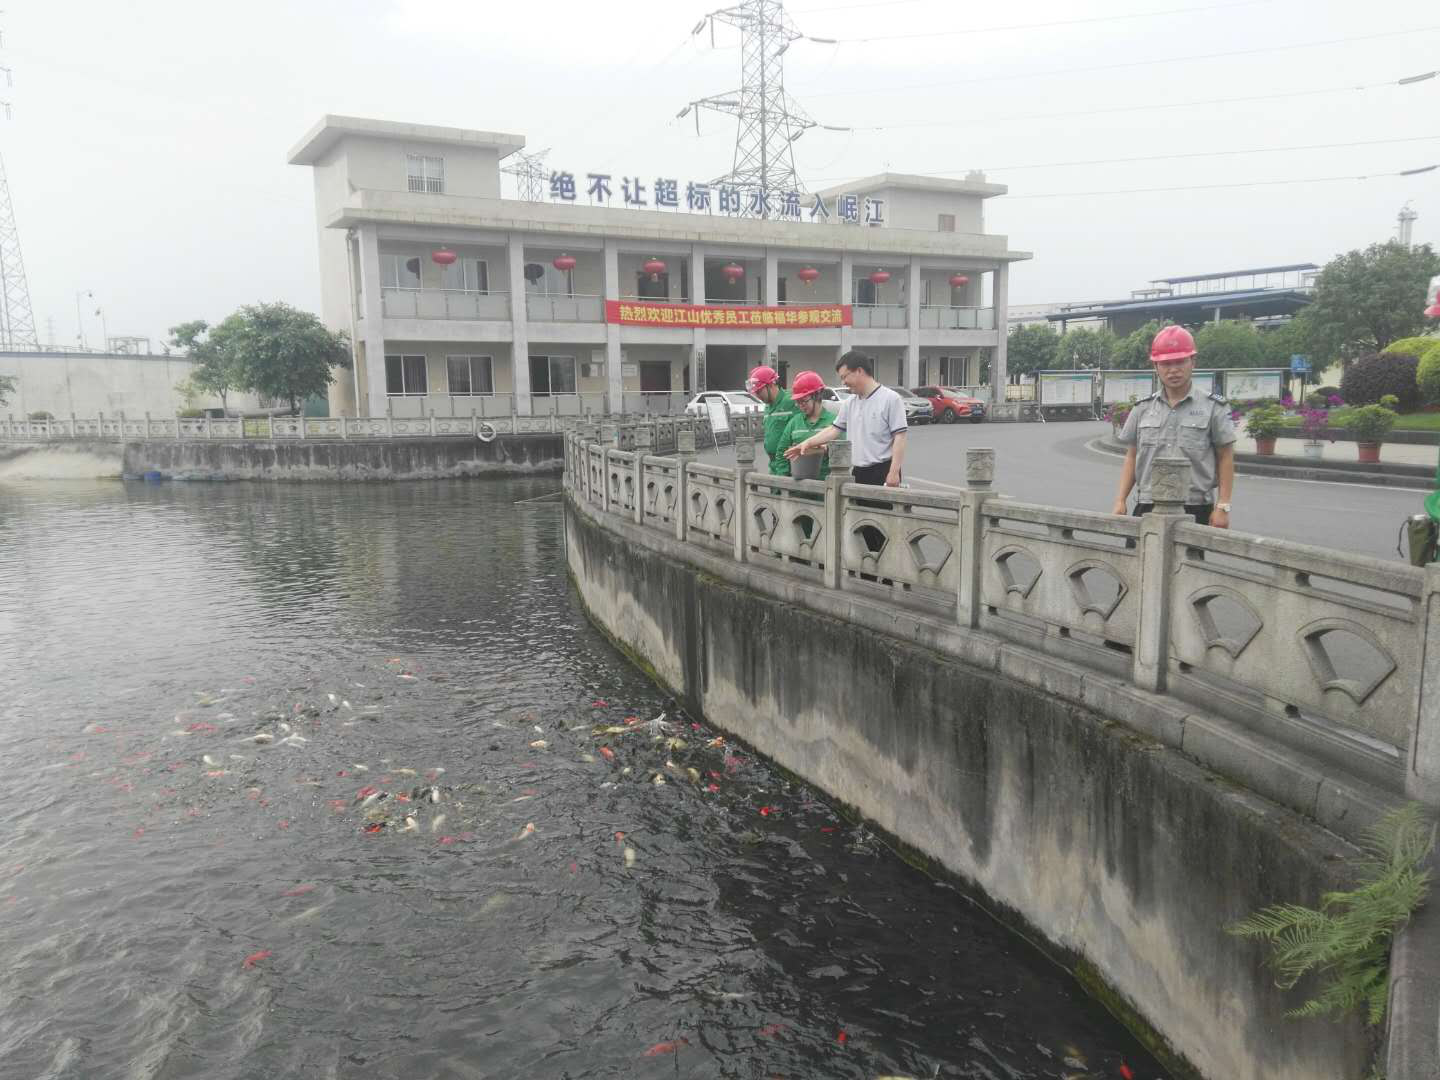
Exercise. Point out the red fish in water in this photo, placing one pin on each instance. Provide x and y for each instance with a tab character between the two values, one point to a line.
1125	1072
597	704
712	788
632	720
366	791
607	753
299	890
374	827
771	1030
447	839
764	811
202	726
255	957
827	828
841	1038
666	1047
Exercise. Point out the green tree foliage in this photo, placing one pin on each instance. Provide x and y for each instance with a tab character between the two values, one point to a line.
1286	340
7	387
284	353
1347	940
1230	344
1366	299
217	370
1133	350
1084	349
1427	374
1031	348
1370	378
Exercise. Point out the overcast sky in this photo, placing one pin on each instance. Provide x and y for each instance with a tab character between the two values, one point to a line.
146	154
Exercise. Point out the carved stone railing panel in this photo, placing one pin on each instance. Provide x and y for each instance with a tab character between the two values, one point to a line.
785	518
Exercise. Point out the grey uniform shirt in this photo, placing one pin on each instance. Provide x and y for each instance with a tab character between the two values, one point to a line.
1194	427
871	424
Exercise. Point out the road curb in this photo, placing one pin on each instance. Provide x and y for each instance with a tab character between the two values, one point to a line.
1412	477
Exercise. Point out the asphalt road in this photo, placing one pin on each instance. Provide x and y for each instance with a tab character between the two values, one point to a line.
1051	464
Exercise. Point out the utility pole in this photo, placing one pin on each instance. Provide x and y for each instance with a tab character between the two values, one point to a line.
768	121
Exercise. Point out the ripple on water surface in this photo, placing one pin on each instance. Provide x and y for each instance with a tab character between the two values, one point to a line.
230	699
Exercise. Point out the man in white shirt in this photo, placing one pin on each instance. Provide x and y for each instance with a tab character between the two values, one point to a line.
873	421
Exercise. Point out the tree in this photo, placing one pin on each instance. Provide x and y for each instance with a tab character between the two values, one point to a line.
1031	348
1229	344
1366	299
1289	339
281	352
217	371
1084	348
1133	350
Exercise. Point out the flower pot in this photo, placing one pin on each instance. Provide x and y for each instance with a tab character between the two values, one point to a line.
1314	449
1265	444
1369	452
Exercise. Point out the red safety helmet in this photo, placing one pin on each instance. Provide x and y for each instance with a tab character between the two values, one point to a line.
805	384
761	376
1172	343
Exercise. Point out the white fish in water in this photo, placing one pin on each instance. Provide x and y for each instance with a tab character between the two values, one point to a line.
294	740
518	798
694	775
629	856
608	783
263	737
626	771
589	759
433	794
333	698
238	757
528	830
539	744
283	726
410	825
407	678
539	730
347	705
406	772
308	912
210	760
437	772
181	733
436	822
658	780
372	797
359	768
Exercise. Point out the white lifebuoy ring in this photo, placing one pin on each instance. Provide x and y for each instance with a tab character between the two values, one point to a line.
485	432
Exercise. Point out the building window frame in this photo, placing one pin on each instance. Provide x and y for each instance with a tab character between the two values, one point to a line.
946	223
475	364
391	265
425	173
410	372
552	365
474	276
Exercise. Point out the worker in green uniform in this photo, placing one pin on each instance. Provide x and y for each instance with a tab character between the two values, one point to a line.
764	383
810	416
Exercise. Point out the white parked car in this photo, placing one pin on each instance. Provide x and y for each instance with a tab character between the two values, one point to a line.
737	401
835	395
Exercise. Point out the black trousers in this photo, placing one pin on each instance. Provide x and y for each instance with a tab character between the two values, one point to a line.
1200	513
871	474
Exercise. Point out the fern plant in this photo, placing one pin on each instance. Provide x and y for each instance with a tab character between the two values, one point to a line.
1347	940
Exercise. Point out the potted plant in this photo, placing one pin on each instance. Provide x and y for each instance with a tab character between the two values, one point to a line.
1118	412
1370	424
1263	424
1314	425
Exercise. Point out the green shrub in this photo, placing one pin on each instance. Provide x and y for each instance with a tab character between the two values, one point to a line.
1328	392
1410	346
1370	423
1371	377
1265	421
1427	373
42	415
191	414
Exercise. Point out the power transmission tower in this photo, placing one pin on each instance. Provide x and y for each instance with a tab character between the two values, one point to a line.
17	320
768	121
530	174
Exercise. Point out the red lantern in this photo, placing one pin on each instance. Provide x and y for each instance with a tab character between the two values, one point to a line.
879	277
733	272
959	280
565	262
809	275
443	257
654	267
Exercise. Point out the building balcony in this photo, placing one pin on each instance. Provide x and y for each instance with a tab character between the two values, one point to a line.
879	316
575	308
957	318
444	304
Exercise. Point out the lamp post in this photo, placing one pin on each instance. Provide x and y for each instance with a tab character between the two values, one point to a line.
79	317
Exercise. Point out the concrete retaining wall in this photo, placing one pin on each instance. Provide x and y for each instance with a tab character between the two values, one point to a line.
1124	855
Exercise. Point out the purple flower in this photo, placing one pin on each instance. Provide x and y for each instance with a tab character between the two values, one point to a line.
1335	401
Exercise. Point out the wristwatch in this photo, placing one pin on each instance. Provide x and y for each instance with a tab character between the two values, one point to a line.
1223	507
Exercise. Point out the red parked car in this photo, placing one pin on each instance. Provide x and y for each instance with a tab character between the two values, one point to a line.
951	405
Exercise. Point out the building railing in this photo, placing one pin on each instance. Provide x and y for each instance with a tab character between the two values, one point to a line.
577	308
444	304
957	318
1318	651
879	316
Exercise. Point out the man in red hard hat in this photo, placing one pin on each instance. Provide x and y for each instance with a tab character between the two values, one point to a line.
1178	418
764	383
810	416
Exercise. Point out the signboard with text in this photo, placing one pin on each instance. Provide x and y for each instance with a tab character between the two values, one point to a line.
631	313
665	193
1066	389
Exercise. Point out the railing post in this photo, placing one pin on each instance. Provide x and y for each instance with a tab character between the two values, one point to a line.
684	455
835	513
979	476
1169	483
644	436
1422	778
744	462
122	425
432	422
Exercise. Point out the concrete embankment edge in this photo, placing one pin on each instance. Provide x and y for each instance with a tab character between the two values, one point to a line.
1124	854
296	460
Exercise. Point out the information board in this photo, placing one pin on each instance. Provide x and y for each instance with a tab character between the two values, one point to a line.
1204	382
1249	385
719	416
1067	388
1124	385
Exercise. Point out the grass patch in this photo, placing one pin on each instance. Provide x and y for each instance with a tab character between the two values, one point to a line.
1418	421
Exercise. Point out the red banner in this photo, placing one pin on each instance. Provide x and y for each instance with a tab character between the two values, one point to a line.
644	313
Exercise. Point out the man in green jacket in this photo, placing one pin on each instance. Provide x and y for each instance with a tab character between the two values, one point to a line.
764	383
810	416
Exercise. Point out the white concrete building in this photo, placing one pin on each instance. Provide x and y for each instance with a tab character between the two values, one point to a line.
461	301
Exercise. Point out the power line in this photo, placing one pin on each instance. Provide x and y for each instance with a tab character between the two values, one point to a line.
1166	60
1040	25
1287	95
1160	157
1213	187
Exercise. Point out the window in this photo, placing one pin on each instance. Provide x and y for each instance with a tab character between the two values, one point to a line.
404	375
925	292
552	375
466	275
470	375
947	223
551	282
425	173
652	290
399	271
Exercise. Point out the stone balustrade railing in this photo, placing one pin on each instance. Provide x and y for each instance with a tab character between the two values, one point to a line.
1333	655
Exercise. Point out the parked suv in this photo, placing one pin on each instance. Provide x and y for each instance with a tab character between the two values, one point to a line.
918	410
951	404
